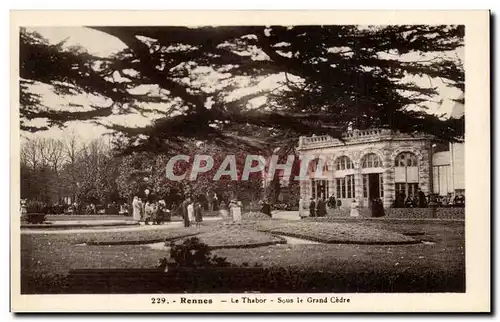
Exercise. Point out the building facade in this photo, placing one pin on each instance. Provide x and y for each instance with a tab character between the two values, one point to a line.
379	163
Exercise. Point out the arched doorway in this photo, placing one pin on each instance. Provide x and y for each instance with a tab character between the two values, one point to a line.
372	173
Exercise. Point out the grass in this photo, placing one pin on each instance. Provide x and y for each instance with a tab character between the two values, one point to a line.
345	233
44	255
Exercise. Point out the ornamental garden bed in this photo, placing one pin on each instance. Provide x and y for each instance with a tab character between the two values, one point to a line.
135	237
404	213
237	237
336	233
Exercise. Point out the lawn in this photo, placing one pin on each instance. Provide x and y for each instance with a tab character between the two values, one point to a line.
442	262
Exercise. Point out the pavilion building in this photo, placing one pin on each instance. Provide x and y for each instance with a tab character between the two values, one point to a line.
380	163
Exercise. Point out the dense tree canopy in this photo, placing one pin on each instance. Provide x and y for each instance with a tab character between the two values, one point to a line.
185	77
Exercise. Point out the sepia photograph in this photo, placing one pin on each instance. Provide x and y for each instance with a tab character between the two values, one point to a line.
318	159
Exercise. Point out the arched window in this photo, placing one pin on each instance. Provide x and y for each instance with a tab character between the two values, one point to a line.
371	160
313	166
406	174
406	159
343	163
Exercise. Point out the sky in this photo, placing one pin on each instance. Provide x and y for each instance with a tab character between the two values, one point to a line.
102	44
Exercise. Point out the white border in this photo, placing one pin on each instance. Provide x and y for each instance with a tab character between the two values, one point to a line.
477	157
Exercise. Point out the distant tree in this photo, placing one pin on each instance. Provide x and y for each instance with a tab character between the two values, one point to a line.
98	171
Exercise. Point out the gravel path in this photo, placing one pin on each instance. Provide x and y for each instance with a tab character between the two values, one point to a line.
168	225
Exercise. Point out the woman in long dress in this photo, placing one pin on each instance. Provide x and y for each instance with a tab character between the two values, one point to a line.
354	209
198	213
190	211
136	209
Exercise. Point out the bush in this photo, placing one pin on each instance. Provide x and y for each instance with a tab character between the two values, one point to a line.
34	218
191	253
286	206
36	207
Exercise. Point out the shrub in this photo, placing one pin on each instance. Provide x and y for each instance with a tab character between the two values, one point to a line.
35	218
191	253
36	207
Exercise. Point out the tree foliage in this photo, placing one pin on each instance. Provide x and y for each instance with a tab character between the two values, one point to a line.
185	77
147	170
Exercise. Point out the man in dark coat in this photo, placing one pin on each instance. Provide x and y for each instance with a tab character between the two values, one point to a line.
332	202
312	208
321	208
422	200
184	211
377	208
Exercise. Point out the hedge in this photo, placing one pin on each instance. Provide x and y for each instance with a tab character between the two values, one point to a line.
406	213
240	279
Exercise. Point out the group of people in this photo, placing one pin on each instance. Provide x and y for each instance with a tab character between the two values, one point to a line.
417	201
450	201
192	212
420	200
151	211
376	207
318	207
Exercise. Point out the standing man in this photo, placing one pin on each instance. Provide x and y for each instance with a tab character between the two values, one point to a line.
422	200
332	202
312	208
184	210
321	207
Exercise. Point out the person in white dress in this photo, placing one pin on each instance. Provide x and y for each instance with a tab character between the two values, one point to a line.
190	210
136	209
301	207
354	209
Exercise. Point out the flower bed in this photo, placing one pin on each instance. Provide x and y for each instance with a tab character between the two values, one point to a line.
255	215
336	233
424	213
405	213
135	237
237	237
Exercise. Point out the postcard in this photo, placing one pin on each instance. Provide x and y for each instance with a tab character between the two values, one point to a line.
250	161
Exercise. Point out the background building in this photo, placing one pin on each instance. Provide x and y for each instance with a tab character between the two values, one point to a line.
379	163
